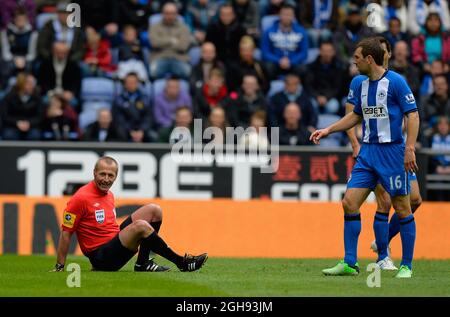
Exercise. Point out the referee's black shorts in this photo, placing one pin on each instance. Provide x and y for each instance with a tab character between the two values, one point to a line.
111	256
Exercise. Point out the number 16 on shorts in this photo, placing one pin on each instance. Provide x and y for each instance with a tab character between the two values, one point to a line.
399	184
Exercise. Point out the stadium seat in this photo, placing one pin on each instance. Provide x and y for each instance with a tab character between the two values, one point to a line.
147	53
257	54
42	18
312	55
334	139
144	39
115	56
97	89
195	55
11	82
275	86
132	66
157	17
267	21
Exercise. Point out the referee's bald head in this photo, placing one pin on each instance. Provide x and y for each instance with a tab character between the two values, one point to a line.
108	160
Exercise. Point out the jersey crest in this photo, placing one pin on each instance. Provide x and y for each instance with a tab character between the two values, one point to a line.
100	216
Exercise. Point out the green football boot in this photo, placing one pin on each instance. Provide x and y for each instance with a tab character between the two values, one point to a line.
404	272
342	269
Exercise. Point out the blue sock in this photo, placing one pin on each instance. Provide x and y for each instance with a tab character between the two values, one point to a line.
352	228
408	235
381	229
394	226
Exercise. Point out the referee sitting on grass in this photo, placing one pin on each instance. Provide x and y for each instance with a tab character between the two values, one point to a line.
91	214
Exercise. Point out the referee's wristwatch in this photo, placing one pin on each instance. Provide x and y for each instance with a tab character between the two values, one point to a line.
59	267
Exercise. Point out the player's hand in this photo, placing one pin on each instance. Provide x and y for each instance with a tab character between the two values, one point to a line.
356	148
410	160
318	134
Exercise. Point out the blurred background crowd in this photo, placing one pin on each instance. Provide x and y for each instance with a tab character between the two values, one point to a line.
136	69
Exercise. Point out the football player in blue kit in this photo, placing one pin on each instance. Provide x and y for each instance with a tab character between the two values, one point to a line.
380	102
383	199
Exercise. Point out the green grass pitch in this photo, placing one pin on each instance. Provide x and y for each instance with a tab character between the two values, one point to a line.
220	277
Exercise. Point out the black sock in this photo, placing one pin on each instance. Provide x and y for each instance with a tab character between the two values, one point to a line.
126	223
155	243
156	225
144	248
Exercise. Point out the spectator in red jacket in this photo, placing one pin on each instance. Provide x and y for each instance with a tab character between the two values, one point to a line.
211	94
98	59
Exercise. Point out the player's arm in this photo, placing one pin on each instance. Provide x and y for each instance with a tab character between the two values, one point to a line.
351	133
353	104
409	108
63	249
71	218
412	131
350	120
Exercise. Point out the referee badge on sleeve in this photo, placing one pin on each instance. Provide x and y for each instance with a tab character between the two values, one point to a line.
69	219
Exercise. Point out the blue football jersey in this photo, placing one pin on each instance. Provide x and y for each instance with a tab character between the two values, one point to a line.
382	103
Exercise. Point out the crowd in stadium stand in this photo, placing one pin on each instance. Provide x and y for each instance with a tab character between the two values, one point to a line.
138	68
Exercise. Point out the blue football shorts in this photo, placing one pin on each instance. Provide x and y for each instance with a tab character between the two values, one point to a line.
381	163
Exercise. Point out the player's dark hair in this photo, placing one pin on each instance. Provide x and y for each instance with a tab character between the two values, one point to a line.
108	160
384	41
371	46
